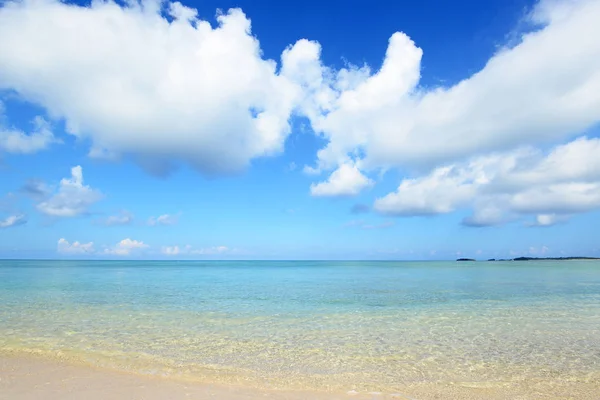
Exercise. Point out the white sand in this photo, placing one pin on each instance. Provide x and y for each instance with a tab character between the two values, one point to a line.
30	378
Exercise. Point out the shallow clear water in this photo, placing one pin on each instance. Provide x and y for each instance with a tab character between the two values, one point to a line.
318	325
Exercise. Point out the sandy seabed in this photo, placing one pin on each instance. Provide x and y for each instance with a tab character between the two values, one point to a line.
29	378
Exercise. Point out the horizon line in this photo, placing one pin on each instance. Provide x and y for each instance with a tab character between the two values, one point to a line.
460	259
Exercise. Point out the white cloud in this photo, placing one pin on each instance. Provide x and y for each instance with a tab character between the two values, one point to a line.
13	220
549	219
123	218
532	93
347	180
210	250
73	198
525	95
442	191
65	247
189	250
504	185
17	141
170	250
165	219
183	91
173	91
125	247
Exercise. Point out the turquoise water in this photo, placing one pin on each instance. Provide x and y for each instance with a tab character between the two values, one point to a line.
316	325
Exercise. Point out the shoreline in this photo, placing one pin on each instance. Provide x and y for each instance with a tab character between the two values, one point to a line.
29	377
25	376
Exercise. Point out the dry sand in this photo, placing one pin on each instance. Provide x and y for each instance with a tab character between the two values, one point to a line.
29	378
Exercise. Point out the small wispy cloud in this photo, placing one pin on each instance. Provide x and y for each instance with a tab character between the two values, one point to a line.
189	250
165	219
122	218
13	220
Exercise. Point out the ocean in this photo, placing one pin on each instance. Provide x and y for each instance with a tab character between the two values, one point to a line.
318	325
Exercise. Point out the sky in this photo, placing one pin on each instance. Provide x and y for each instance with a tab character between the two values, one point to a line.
317	130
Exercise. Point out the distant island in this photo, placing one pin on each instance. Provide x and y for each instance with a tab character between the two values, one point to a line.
534	259
554	258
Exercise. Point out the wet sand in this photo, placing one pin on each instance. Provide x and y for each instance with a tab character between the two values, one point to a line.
29	378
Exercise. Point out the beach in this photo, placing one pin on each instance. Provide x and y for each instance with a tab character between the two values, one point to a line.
300	330
31	378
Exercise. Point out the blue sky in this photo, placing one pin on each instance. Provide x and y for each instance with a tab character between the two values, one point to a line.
327	130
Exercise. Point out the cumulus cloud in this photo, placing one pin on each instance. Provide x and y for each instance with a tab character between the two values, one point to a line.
442	191
526	94
178	90
134	82
65	247
17	141
165	219
347	180
504	185
123	218
72	198
13	220
125	247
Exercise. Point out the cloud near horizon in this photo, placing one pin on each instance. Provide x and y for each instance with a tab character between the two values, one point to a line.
180	91
64	247
189	250
125	247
